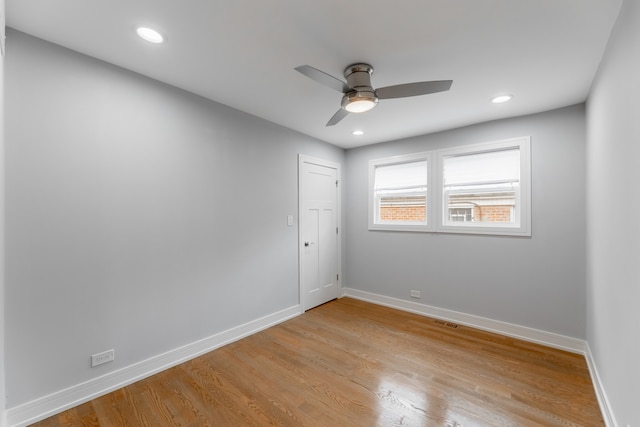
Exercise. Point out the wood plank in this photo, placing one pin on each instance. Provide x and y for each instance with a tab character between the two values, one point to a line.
351	363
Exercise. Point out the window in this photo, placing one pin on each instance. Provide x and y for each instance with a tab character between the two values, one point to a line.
461	214
481	189
491	182
399	195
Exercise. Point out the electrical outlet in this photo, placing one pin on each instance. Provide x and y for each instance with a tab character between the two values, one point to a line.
104	357
289	220
415	294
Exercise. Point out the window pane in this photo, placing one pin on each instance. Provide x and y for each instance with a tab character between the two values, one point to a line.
482	187
400	192
403	208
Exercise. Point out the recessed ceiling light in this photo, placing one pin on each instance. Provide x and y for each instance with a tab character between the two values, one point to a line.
357	132
150	35
502	98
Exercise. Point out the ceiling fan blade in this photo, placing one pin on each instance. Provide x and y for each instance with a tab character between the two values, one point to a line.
413	89
339	115
323	78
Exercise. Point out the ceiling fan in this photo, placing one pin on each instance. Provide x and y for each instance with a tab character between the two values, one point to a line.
358	94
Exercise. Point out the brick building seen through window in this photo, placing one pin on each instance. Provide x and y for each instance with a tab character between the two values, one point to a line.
497	207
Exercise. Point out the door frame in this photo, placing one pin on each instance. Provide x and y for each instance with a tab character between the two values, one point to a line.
302	159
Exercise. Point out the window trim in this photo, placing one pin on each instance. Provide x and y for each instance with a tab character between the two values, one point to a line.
436	208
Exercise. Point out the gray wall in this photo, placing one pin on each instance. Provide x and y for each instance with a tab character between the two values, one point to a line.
613	292
139	217
538	282
2	166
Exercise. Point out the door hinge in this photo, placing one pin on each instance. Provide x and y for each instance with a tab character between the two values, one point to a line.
337	182
336	230
337	277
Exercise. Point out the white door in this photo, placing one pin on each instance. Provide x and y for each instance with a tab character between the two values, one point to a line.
319	238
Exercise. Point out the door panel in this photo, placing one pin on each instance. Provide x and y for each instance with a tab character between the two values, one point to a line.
312	269
318	234
327	261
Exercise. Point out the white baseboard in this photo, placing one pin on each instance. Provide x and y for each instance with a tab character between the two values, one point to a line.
516	331
59	401
603	401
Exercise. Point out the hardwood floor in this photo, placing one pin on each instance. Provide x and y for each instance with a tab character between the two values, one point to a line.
351	363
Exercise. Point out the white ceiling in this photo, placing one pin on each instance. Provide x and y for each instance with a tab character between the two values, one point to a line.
242	53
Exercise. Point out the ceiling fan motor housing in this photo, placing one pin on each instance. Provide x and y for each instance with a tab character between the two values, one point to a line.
361	96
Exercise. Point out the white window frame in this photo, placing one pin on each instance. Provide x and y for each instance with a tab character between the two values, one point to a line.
522	215
374	222
436	206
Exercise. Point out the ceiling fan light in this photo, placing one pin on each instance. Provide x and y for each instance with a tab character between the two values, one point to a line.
359	102
360	106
